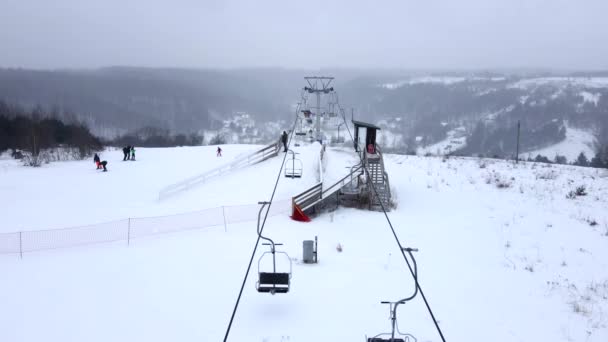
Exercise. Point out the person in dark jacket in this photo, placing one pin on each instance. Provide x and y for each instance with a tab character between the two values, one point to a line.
97	161
125	153
284	137
219	152
103	164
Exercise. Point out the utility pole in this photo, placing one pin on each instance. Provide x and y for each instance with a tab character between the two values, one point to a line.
517	149
318	85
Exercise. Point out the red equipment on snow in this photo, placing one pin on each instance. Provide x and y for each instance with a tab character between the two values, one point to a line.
299	215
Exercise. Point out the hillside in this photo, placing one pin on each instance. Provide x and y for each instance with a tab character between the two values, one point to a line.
420	110
504	254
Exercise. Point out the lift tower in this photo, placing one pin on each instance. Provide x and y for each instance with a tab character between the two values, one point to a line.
318	85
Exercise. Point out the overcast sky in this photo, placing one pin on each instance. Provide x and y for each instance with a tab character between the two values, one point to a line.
564	34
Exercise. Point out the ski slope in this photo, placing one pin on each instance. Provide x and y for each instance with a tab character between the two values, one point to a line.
577	141
521	263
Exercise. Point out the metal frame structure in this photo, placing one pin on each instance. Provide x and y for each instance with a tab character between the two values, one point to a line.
272	282
318	85
296	166
401	337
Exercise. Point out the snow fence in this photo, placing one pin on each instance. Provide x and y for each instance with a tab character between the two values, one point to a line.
133	228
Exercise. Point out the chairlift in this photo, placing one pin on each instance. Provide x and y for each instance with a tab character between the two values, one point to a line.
293	167
395	335
272	282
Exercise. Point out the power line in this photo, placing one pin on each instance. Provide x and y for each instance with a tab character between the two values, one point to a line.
236	305
395	233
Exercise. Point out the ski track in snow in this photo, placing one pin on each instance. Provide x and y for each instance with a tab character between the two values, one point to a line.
521	263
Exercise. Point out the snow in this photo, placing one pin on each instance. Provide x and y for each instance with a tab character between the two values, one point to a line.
456	139
520	263
577	141
445	80
74	193
588	82
590	97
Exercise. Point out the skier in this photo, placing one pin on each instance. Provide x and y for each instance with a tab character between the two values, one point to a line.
103	164
132	152
96	160
124	152
284	140
219	152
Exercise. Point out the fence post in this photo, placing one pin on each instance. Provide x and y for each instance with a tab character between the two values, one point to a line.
20	245
129	232
224	213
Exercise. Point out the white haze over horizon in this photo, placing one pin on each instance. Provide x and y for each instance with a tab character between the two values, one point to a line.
448	34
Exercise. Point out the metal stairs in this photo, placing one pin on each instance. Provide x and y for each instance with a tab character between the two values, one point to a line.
377	176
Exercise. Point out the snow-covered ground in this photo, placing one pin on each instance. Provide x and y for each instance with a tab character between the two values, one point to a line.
504	255
456	140
445	80
589	97
74	193
587	82
577	141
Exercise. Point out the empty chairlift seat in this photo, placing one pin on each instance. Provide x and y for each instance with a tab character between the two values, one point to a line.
293	166
273	282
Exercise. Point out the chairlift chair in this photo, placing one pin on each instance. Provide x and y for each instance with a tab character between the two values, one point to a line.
272	281
293	167
395	335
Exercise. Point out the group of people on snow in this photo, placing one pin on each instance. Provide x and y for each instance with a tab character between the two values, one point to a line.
100	164
128	152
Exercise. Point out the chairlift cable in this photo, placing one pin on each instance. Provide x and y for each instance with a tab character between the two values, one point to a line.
395	234
236	305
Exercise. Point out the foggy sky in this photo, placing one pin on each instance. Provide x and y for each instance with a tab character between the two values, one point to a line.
472	34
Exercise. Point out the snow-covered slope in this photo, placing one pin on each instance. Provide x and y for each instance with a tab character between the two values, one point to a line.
577	141
504	256
74	193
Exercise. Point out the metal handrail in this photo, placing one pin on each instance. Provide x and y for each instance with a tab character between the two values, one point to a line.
339	184
253	158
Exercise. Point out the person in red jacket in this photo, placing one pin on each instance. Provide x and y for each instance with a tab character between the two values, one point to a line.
97	161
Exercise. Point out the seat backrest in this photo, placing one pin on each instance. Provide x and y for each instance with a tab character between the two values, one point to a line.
274	278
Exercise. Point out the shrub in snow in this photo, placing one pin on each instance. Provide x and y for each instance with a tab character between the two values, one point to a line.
580	191
547	175
580	309
499	180
592	222
35	160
